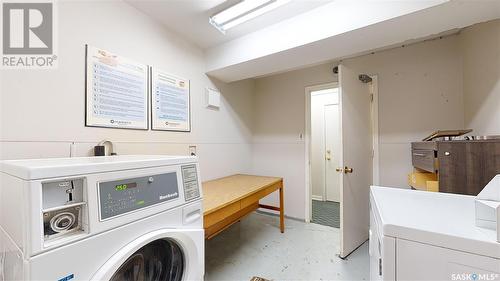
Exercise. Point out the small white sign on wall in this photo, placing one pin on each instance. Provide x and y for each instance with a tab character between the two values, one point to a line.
170	102
116	91
213	98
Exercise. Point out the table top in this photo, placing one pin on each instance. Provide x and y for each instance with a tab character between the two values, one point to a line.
222	192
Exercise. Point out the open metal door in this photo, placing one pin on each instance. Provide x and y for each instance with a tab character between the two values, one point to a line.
355	99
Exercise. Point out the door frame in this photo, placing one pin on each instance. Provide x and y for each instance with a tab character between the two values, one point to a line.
375	133
307	156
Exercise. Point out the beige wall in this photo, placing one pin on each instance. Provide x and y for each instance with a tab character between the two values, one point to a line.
452	82
420	90
278	147
42	112
481	61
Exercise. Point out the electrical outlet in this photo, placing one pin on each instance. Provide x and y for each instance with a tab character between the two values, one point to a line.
72	150
192	150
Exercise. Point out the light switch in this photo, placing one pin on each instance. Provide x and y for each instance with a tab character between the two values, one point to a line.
213	98
192	150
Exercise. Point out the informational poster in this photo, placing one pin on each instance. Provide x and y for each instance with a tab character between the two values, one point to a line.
116	91
170	102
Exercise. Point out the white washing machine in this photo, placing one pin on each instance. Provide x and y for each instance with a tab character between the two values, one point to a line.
421	235
101	218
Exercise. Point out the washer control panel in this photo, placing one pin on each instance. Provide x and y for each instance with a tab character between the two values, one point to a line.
123	196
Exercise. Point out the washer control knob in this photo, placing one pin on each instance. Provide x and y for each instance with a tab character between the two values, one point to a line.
151	180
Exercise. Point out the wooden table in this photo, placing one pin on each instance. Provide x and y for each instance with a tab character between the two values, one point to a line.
227	200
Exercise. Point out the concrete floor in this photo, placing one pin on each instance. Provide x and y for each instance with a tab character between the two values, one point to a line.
255	247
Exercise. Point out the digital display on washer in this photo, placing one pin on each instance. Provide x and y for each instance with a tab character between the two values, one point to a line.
123	196
125	186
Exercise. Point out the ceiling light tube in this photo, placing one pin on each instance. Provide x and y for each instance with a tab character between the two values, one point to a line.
237	10
242	12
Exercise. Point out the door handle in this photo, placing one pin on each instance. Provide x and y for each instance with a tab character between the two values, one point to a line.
370	238
193	216
348	170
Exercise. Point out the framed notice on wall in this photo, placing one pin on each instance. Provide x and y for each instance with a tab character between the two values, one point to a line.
116	91
170	102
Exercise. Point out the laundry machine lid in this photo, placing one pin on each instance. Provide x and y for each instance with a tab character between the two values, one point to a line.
32	169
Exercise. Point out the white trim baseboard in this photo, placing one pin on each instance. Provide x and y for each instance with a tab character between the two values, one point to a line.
317	198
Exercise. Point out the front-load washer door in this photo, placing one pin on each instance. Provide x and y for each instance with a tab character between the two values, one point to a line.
160	255
160	260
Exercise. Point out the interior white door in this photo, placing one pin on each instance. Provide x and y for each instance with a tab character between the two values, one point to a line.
356	155
332	152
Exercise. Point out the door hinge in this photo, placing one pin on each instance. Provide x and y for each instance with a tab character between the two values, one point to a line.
371	97
380	266
373	153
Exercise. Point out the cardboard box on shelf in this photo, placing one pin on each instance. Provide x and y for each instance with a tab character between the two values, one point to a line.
418	180
432	186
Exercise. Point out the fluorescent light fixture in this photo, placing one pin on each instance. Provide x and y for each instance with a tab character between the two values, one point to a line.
242	12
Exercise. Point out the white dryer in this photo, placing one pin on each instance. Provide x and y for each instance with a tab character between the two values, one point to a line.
101	218
421	235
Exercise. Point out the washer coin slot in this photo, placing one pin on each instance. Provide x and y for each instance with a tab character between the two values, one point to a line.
63	192
70	192
64	209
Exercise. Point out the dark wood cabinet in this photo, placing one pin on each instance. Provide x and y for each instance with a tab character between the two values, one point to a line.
452	172
463	167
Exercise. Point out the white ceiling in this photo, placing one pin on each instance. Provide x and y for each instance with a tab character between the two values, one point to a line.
307	32
340	30
189	18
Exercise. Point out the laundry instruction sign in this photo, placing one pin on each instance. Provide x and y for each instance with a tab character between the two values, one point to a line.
28	35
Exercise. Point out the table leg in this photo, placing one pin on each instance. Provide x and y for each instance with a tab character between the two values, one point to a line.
282	212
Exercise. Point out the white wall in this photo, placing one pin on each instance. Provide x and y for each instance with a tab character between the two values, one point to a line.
420	90
481	61
42	111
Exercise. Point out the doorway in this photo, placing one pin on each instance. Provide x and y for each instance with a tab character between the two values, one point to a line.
325	156
356	164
